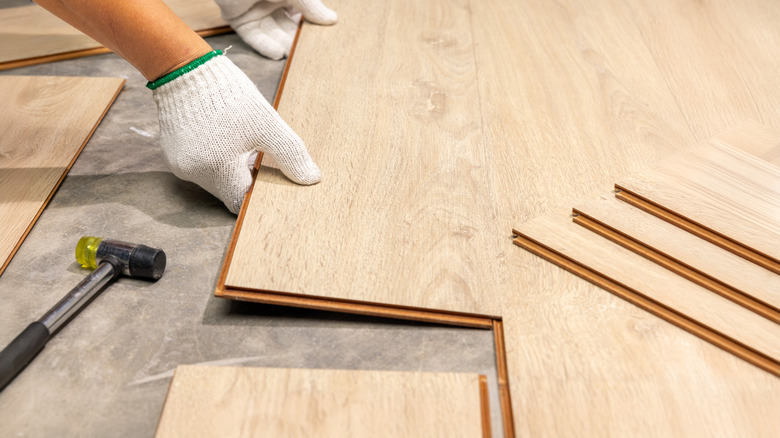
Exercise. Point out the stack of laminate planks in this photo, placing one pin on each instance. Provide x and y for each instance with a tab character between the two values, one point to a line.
693	240
206	401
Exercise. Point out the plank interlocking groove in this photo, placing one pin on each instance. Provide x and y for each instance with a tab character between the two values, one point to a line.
31	35
44	123
718	192
232	401
715	318
685	254
439	126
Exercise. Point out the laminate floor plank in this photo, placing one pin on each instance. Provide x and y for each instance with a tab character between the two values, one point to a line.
754	139
629	270
722	189
31	35
444	172
692	254
229	401
44	123
582	362
717	59
437	131
392	224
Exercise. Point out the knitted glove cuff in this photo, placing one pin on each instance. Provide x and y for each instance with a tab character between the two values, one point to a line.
152	85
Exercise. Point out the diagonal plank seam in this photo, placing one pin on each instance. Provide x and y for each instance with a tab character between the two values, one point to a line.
686	271
637	298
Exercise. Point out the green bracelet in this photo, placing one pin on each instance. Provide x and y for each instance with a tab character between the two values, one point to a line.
180	71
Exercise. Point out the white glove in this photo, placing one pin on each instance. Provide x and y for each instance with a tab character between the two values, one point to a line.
269	26
212	118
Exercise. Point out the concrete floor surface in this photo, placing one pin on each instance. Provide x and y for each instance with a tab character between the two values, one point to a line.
107	372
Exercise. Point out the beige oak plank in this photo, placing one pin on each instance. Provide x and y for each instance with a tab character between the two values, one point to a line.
45	121
582	362
717	58
559	235
695	258
569	101
420	163
31	35
722	189
754	139
440	191
630	400
245	402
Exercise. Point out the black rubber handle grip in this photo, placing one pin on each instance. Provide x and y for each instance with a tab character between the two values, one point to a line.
21	351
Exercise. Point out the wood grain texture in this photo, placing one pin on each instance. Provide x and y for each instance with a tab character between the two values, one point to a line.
717	59
44	123
31	35
248	402
683	253
413	123
645	284
440	181
727	192
569	99
558	234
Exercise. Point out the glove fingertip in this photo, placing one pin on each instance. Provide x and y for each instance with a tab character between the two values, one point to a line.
326	17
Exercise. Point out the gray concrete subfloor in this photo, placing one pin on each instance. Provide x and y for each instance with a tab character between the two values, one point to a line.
15	3
107	372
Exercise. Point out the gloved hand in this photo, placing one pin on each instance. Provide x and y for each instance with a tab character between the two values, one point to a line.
212	118
269	25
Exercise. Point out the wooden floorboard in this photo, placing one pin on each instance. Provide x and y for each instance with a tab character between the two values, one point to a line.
31	35
558	234
441	182
652	288
253	402
717	59
685	254
441	128
413	125
44	123
726	192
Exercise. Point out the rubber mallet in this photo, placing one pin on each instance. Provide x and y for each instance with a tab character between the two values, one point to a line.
109	259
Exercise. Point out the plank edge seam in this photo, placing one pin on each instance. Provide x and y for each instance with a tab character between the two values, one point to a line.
712	236
635	297
678	267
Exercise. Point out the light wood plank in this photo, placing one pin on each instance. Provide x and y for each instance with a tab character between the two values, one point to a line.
722	189
420	165
246	402
31	35
438	180
569	101
754	139
587	100
718	59
696	259
649	286
558	234
44	123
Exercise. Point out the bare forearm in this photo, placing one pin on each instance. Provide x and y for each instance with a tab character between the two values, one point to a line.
147	33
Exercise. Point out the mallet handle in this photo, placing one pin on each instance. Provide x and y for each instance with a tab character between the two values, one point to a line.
21	351
79	295
15	357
